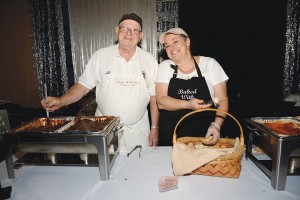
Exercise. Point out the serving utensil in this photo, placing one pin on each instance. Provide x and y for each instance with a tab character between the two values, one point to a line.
214	101
136	147
46	99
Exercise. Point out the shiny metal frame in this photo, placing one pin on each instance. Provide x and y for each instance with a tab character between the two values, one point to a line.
101	141
278	147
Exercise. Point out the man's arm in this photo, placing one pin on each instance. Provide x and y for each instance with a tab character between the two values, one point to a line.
75	93
153	136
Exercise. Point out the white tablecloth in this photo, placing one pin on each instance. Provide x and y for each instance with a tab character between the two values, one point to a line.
137	178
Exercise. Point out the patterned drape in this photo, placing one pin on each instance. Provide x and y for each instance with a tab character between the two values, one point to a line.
292	53
92	25
49	46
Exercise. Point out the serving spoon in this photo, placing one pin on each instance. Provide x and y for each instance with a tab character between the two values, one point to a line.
46	99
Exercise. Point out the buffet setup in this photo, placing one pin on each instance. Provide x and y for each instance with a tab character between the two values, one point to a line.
82	144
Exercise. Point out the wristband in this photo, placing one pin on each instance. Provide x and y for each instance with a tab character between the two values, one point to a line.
216	125
154	127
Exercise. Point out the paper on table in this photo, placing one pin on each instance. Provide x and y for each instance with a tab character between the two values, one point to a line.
168	183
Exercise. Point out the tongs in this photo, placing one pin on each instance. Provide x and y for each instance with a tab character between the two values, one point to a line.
136	147
214	101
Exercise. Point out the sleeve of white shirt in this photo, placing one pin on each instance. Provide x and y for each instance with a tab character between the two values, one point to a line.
164	72
216	74
88	77
150	66
151	88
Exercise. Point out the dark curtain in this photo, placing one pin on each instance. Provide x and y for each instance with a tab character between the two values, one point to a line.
291	83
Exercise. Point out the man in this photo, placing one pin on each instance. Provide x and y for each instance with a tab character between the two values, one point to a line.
124	77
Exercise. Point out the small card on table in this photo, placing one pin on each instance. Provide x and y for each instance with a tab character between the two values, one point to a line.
168	183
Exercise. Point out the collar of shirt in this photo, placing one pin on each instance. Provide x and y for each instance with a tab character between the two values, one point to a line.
134	57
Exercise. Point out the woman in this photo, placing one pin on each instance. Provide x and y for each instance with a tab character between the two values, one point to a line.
184	83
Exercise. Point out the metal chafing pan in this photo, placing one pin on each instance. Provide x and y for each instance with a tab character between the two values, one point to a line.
64	126
84	124
290	125
88	124
45	125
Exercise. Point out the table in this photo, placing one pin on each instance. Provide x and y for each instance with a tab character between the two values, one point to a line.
137	178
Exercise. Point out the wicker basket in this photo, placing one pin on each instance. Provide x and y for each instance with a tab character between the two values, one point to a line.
228	165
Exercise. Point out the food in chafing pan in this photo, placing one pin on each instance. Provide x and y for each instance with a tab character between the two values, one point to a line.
44	125
283	126
91	124
286	128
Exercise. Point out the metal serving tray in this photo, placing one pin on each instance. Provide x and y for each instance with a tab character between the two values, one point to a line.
89	124
45	125
289	126
69	125
44	135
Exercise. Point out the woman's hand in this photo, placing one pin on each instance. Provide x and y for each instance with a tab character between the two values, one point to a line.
214	132
196	104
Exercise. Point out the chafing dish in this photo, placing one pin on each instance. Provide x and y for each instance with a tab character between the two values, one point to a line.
279	138
61	136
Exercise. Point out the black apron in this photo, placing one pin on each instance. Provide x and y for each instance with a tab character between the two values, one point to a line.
193	125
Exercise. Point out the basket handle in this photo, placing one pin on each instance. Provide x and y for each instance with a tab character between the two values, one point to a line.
209	109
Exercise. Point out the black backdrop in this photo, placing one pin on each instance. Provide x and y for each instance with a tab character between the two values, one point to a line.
248	39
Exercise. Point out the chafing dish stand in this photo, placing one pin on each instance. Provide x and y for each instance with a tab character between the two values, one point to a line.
5	193
279	148
101	141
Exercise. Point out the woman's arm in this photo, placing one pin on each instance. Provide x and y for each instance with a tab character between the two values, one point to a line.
220	91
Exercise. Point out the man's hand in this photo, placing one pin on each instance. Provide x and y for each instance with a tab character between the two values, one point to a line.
52	104
153	137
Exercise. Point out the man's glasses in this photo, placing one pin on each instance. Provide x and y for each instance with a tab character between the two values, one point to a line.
133	31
